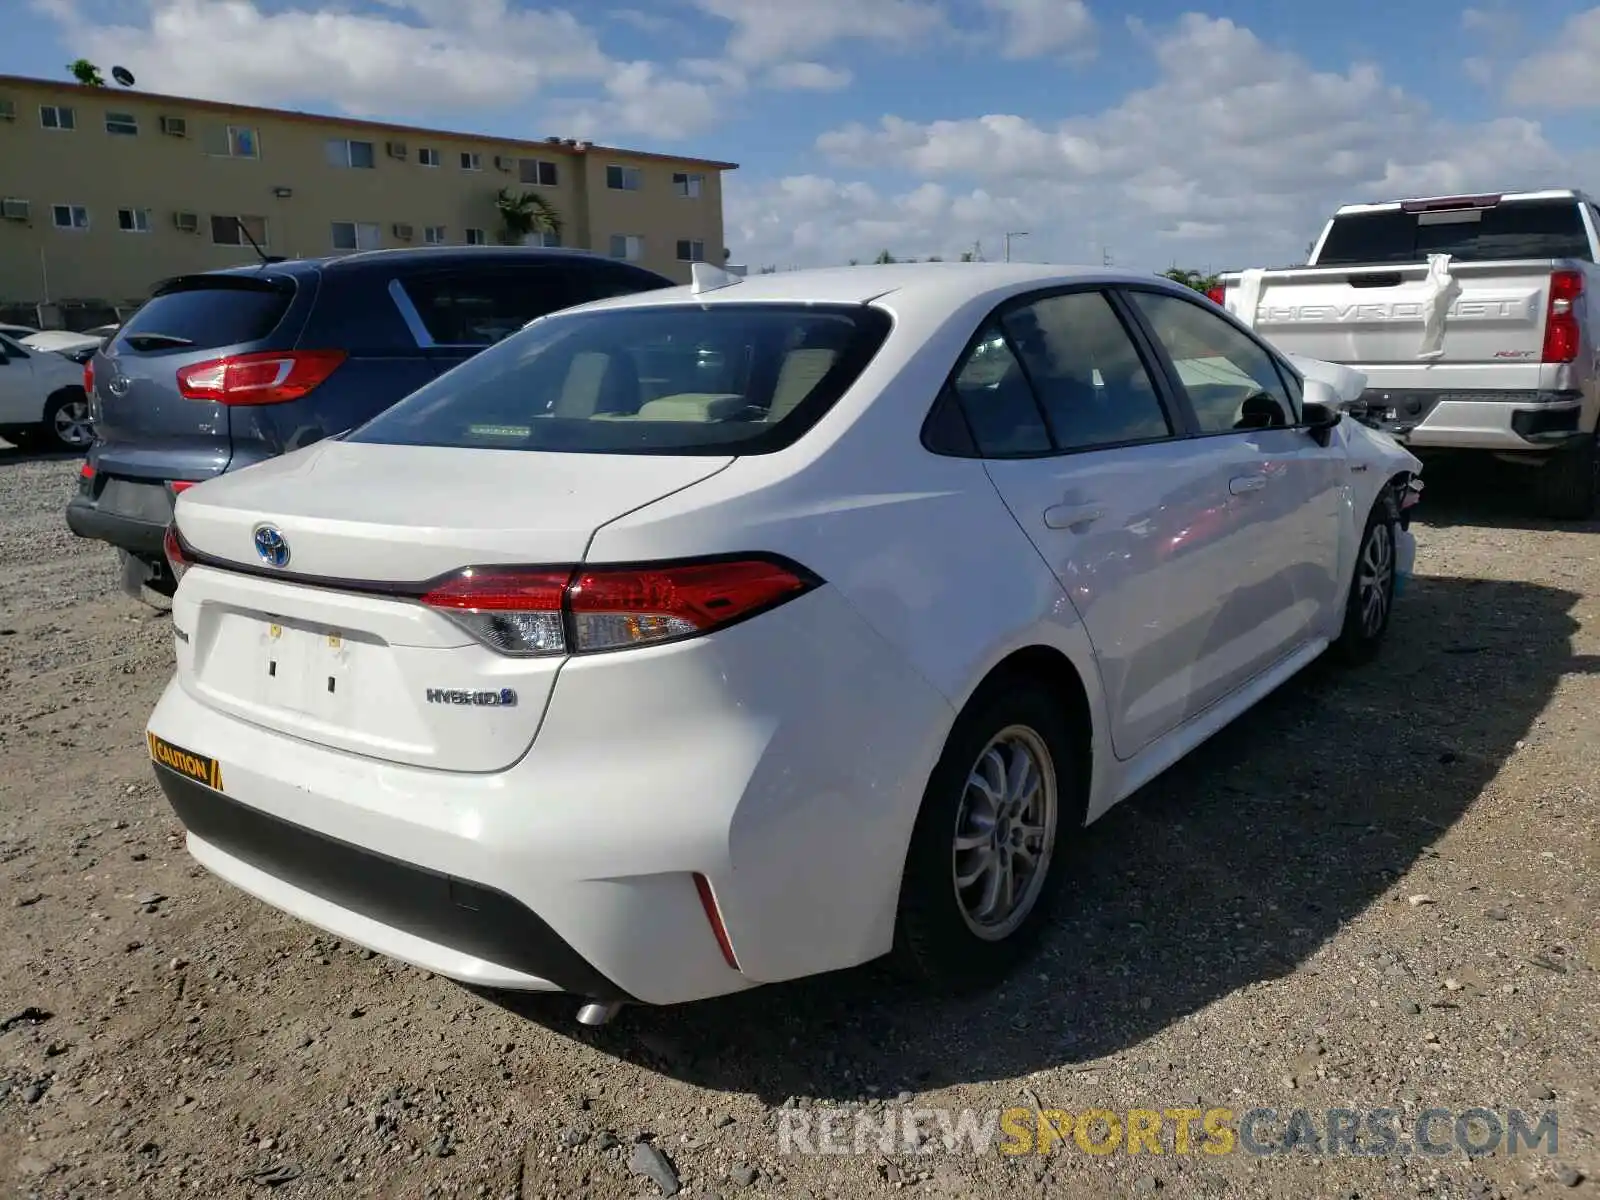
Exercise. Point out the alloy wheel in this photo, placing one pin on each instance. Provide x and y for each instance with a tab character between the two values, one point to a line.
1005	833
1375	578
71	424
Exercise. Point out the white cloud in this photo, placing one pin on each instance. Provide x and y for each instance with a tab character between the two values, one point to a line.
1235	155
767	31
1564	76
1036	28
808	77
642	99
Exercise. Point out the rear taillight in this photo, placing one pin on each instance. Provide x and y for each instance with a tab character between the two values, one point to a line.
86	471
542	611
271	377
88	377
177	557
1216	295
1561	331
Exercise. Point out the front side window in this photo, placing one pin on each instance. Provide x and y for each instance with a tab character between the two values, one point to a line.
1086	372
1231	382
681	379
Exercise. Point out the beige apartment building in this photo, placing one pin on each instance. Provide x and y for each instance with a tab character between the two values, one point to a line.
104	191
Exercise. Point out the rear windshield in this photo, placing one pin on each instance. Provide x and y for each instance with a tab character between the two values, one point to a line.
685	379
205	312
1515	229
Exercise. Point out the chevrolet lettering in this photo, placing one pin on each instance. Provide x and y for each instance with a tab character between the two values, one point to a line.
504	698
1519	308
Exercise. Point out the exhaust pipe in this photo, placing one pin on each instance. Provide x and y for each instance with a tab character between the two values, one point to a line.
595	1014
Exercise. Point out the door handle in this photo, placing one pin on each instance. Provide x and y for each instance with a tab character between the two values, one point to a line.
1070	516
1240	484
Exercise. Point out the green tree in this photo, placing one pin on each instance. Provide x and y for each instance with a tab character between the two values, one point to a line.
524	213
1199	281
86	73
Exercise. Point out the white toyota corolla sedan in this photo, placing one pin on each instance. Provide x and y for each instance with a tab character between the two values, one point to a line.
731	633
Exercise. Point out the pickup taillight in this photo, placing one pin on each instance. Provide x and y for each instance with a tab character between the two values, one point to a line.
1561	331
1217	295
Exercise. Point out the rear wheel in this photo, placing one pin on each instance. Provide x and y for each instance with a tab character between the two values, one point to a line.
1371	600
66	421
1568	483
984	861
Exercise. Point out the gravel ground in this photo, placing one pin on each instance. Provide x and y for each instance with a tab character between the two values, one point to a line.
1377	891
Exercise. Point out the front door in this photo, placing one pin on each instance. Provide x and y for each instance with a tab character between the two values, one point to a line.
20	401
1286	486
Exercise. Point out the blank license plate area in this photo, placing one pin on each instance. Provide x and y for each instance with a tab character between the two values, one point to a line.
291	666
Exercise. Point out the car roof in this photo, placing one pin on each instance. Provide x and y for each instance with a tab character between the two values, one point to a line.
949	283
431	256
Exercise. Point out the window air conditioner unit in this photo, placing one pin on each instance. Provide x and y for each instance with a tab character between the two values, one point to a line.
502	163
8	110
175	126
15	210
186	222
396	149
403	232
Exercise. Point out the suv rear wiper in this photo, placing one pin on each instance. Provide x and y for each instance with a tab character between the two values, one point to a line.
155	341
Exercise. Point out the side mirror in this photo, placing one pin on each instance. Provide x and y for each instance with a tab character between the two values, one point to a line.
1319	411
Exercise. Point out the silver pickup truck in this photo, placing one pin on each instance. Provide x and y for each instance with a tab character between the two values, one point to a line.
1474	319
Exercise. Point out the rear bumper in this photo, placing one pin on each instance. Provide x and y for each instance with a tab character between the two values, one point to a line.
782	759
137	535
1478	420
423	916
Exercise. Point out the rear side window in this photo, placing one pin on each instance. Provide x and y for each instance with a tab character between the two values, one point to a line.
205	312
680	379
1514	229
479	308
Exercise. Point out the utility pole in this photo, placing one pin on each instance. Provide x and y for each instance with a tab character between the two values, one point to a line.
1013	233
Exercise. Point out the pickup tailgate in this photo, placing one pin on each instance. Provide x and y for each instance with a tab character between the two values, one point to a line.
1493	313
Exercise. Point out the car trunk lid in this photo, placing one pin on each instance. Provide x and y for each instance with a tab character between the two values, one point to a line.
333	646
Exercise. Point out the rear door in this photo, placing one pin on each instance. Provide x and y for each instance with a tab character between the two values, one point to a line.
21	402
1283	489
149	429
1132	515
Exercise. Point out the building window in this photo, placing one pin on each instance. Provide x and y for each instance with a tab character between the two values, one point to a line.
687	185
133	220
471	161
624	179
226	230
628	246
433	235
342	152
427	156
229	141
57	116
546	239
477	237
70	216
691	251
121	122
538	171
356	235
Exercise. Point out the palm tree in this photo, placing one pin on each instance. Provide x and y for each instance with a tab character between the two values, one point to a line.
525	213
85	72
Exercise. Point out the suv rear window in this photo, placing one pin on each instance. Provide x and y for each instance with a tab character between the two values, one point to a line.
202	312
1514	229
679	379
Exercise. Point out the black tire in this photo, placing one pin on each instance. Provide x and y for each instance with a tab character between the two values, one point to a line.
1369	604
66	422
1567	484
935	943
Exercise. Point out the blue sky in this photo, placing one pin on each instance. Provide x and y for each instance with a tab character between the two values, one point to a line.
1204	135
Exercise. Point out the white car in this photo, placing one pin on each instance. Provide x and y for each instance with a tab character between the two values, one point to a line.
42	402
731	633
68	340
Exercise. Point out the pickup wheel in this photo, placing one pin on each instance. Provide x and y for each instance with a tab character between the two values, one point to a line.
1371	600
1568	483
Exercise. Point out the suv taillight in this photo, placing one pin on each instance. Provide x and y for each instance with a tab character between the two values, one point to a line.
1561	331
537	611
270	377
88	377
